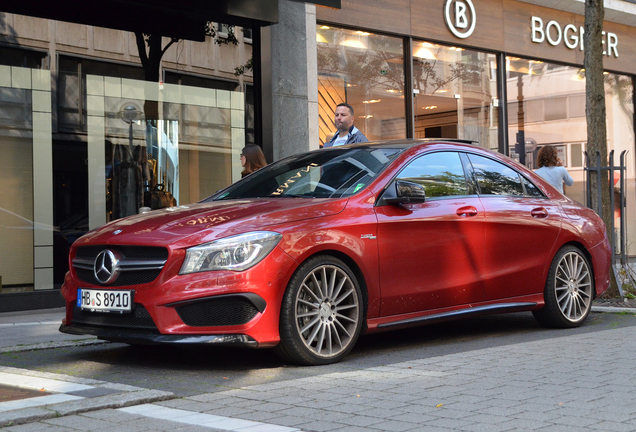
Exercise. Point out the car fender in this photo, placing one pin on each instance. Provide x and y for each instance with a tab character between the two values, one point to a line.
356	243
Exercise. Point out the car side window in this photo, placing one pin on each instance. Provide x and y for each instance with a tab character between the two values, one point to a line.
495	178
531	190
441	174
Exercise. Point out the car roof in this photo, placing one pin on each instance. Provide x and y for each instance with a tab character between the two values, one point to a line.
406	143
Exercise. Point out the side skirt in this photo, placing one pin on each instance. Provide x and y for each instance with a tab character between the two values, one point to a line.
461	313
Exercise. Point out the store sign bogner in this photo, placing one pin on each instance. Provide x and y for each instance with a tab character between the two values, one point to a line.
570	36
460	17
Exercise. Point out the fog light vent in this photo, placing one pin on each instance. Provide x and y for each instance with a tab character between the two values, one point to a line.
220	311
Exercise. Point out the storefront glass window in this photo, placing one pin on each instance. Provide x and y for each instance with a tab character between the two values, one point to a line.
455	94
185	153
366	71
546	106
28	243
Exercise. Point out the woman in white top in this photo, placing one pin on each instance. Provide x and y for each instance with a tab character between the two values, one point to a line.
550	168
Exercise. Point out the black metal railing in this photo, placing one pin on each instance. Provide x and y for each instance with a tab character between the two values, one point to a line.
619	245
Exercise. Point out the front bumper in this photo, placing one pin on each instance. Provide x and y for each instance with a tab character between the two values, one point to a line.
221	307
142	338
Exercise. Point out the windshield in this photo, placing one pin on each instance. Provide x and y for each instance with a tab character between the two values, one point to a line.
332	173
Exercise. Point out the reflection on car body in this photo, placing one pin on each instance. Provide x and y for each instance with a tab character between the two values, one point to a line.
310	252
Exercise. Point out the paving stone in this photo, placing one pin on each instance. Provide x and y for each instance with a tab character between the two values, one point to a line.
78	422
35	427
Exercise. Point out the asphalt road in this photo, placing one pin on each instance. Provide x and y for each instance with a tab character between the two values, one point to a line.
188	371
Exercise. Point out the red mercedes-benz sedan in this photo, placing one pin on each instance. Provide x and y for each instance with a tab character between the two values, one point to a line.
309	252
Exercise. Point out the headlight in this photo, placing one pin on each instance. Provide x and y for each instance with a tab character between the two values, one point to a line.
237	253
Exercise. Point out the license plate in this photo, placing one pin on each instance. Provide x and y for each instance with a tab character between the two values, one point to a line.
118	301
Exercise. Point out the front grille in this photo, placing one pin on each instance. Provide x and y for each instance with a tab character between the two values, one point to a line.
139	319
137	264
124	279
221	311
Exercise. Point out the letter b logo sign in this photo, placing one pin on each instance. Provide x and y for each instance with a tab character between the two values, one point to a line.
460	17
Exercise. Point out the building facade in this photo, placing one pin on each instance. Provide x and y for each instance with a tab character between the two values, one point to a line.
86	138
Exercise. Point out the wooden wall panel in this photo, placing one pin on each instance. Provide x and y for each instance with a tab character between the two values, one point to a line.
427	22
626	61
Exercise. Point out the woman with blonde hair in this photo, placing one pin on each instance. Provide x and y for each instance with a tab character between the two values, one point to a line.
252	159
550	168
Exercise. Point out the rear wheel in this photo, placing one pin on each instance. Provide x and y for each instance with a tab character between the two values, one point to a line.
568	290
321	314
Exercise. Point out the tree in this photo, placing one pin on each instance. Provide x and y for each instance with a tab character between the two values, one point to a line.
596	115
151	62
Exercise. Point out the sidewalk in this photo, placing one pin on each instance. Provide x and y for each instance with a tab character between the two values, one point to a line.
563	383
38	329
30	330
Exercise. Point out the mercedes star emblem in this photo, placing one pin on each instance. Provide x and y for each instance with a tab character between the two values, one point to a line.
106	268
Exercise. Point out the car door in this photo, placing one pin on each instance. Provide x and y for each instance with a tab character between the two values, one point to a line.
521	230
430	253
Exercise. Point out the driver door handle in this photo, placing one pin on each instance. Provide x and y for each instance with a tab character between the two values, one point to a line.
539	212
467	211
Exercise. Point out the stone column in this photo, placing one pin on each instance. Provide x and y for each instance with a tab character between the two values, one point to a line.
289	77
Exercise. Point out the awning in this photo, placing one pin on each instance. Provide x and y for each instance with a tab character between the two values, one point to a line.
184	19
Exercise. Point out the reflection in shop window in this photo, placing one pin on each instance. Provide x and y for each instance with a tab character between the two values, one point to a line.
455	94
366	71
546	106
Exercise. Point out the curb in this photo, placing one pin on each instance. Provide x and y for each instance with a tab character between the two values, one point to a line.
96	395
50	345
612	309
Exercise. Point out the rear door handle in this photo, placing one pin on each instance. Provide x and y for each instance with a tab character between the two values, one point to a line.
539	212
467	211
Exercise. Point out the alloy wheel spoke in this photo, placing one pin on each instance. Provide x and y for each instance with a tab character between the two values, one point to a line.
321	338
332	328
344	317
325	283
308	314
344	330
309	291
309	304
310	325
346	307
332	283
317	284
340	285
344	296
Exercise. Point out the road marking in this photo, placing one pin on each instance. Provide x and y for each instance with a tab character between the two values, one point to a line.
205	420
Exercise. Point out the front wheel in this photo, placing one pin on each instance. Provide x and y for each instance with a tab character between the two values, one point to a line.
321	313
568	290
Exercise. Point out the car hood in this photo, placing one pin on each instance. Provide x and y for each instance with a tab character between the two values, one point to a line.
199	223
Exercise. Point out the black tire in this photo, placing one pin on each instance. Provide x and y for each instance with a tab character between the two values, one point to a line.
321	314
569	290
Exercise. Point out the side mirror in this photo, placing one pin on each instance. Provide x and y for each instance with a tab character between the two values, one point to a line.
404	192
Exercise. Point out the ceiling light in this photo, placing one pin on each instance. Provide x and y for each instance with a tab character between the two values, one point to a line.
353	43
371	101
424	53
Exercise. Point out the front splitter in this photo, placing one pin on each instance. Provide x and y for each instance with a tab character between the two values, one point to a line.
142	338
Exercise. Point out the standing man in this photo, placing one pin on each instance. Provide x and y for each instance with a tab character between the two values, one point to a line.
347	132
